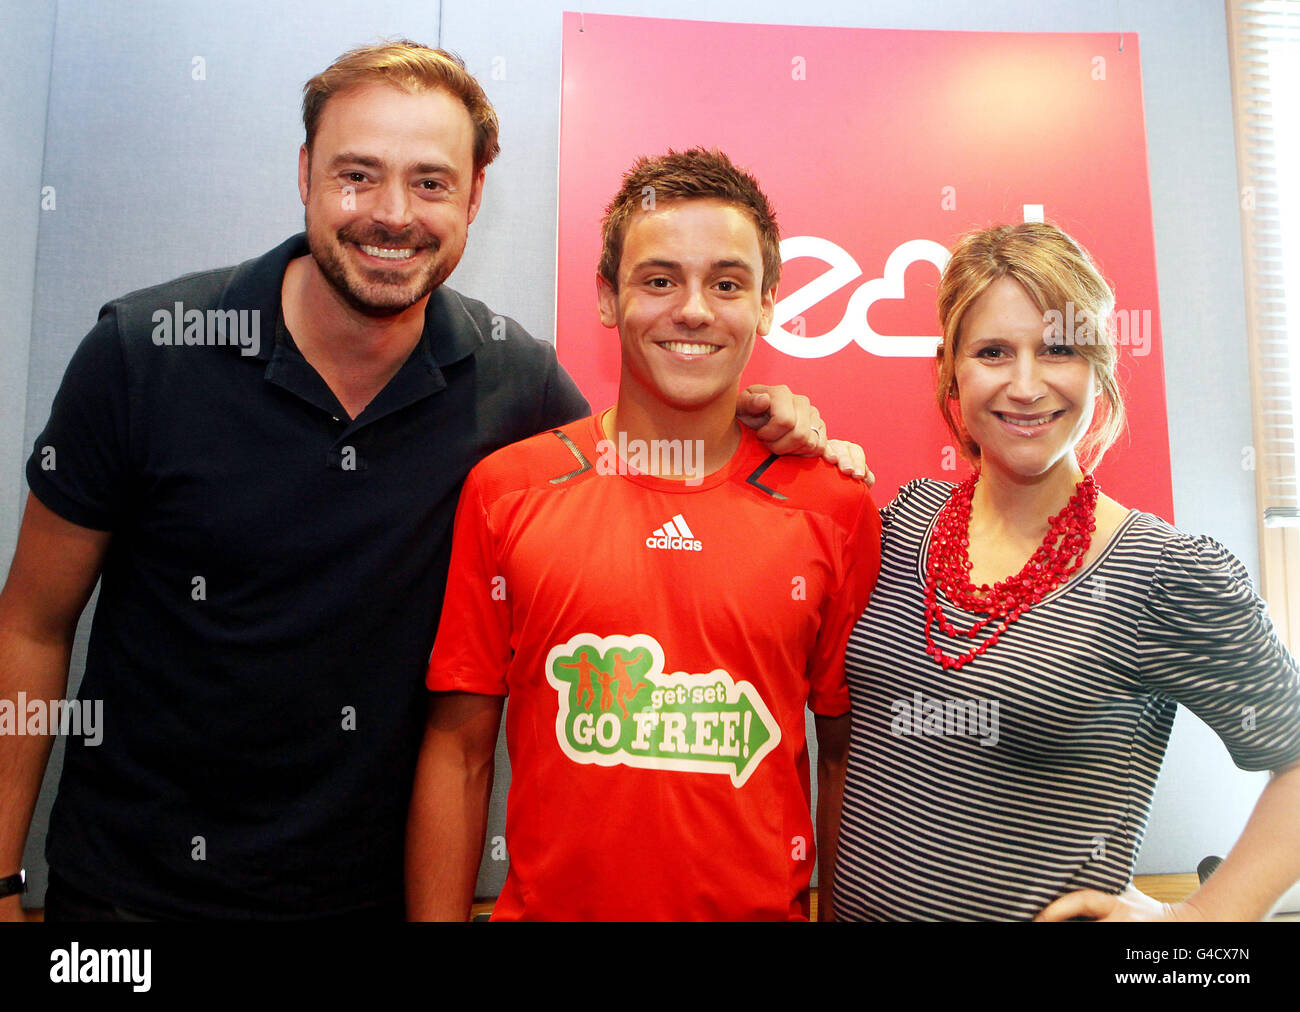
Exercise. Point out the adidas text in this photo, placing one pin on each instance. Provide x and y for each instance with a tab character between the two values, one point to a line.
675	535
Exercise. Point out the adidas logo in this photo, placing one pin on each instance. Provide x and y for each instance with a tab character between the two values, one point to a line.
676	534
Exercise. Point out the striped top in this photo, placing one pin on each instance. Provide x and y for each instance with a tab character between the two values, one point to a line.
984	793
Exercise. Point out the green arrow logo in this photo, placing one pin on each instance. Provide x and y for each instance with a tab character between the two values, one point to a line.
618	707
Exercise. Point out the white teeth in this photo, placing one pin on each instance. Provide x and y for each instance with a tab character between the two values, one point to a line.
1027	423
682	348
389	254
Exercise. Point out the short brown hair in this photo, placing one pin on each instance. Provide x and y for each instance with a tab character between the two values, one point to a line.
412	67
1054	270
697	174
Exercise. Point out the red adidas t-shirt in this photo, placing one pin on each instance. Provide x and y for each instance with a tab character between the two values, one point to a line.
659	642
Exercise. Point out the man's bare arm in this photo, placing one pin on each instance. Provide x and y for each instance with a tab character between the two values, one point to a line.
832	764
449	805
56	564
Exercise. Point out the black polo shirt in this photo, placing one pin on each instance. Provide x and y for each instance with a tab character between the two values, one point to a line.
271	590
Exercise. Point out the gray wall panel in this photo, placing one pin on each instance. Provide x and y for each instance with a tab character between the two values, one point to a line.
26	49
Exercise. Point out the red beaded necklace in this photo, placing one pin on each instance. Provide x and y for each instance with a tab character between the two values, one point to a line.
1062	552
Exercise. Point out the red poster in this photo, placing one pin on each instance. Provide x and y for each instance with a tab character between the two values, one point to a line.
878	148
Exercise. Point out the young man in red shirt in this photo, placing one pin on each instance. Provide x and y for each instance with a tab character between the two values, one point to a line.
661	599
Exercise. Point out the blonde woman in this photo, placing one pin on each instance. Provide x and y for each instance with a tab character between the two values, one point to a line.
1016	674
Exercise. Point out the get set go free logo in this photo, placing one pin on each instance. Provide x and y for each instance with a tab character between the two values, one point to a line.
617	707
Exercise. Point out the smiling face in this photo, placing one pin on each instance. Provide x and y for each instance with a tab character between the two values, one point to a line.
689	303
1025	399
389	190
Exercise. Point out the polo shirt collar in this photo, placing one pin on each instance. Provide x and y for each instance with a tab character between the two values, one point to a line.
450	332
256	285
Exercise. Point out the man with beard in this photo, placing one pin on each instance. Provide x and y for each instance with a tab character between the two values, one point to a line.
262	464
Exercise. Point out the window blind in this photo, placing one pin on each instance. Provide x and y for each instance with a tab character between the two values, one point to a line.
1264	43
1265	40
